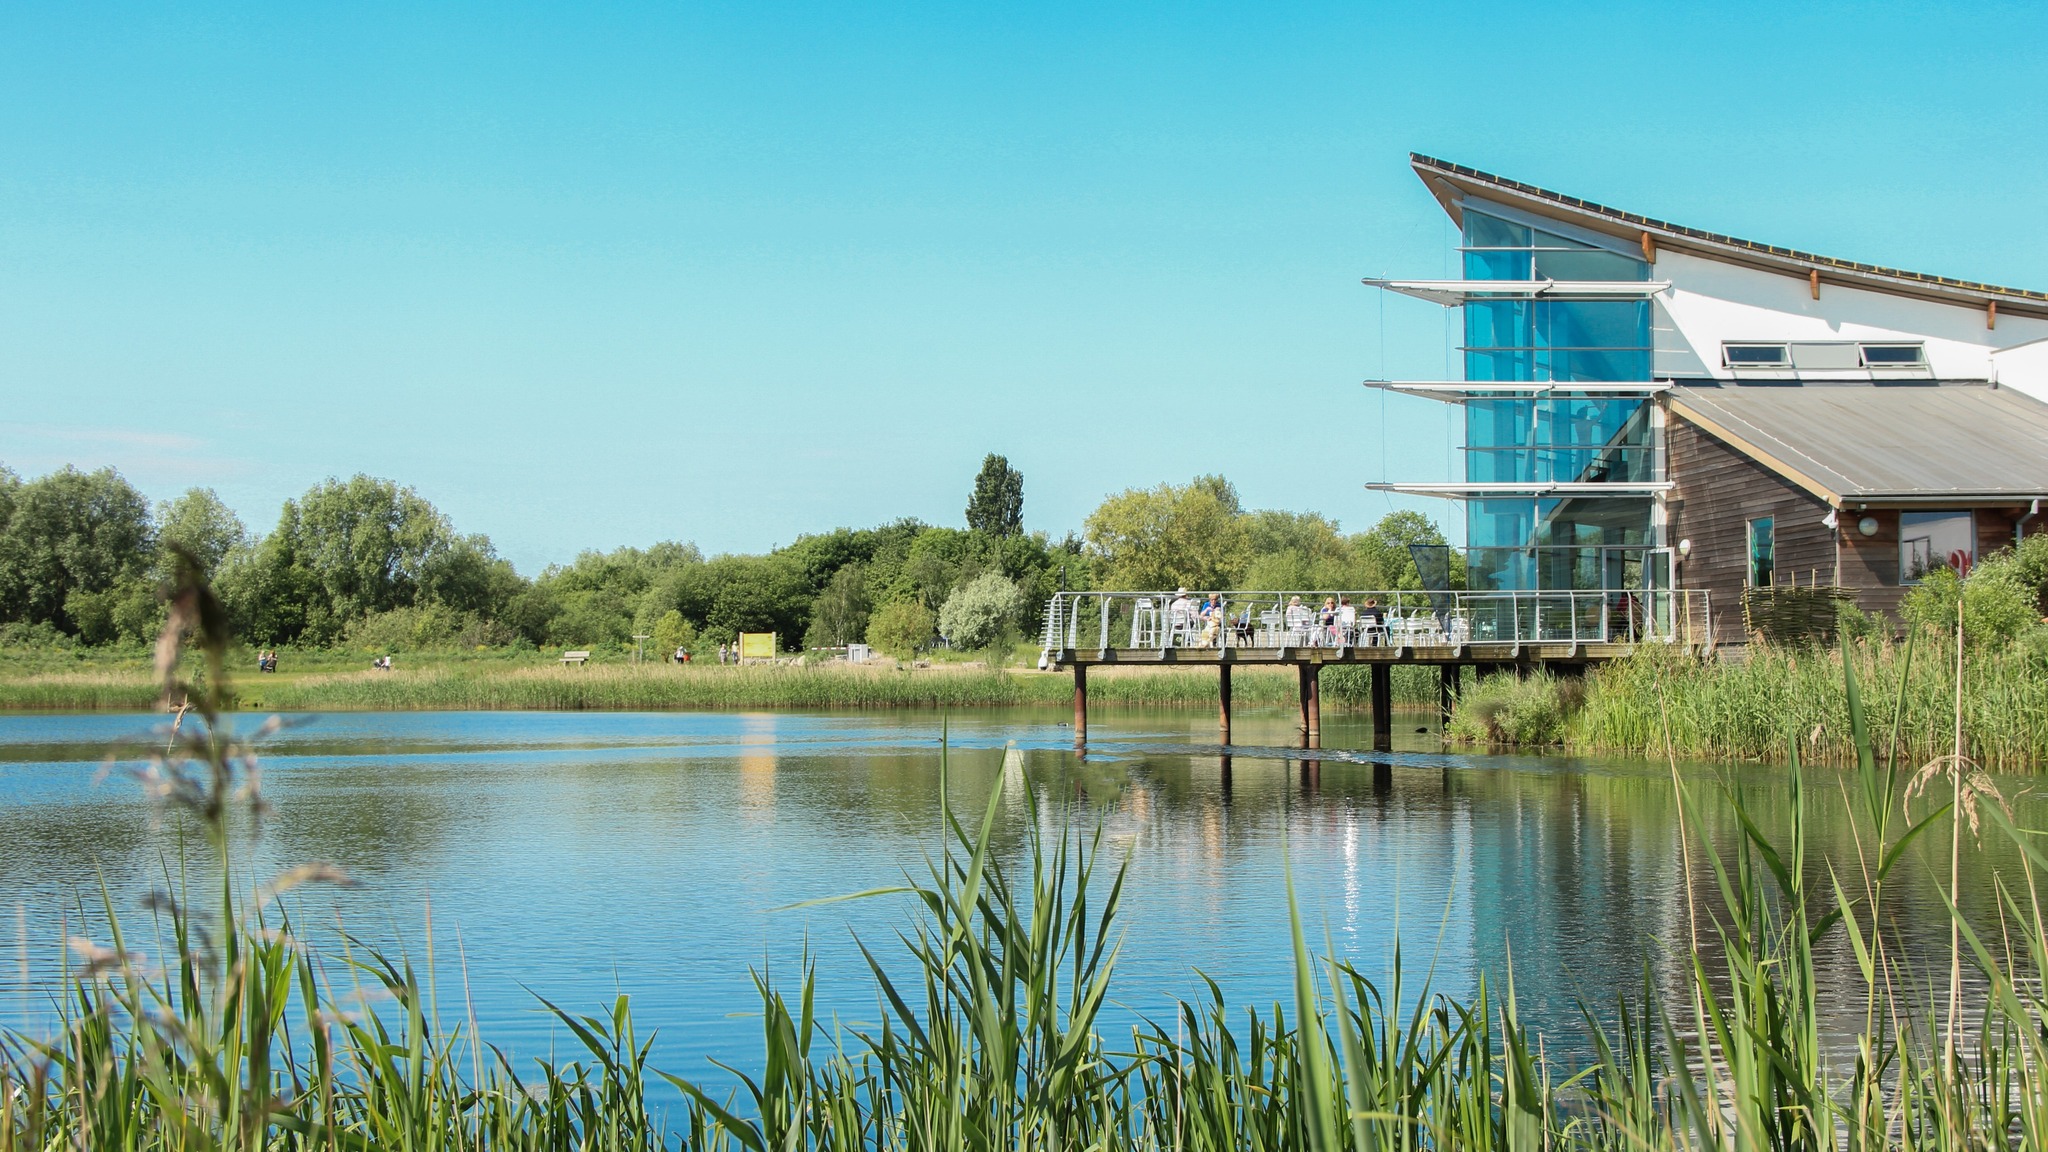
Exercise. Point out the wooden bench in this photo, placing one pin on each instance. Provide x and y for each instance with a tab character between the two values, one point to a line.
575	657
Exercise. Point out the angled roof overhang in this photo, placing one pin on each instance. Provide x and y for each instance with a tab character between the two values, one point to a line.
1452	184
1882	445
1457	391
1534	490
1452	293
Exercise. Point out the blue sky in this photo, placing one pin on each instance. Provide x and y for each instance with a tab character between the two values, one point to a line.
603	274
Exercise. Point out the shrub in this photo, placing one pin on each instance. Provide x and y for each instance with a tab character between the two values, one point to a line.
426	628
1997	603
901	628
980	612
672	632
1507	710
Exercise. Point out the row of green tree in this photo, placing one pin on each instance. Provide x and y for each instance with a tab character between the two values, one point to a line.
367	563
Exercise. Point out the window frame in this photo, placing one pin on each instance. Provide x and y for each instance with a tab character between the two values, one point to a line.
1783	362
1919	351
1749	551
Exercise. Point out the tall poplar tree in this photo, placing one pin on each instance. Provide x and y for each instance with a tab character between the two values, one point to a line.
997	504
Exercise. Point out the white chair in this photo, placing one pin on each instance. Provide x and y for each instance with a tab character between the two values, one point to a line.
1144	623
1299	621
1269	629
1461	629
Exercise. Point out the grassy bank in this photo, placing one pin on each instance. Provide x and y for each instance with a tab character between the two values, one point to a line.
483	685
1757	708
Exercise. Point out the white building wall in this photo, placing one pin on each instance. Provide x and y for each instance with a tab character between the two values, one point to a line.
1710	302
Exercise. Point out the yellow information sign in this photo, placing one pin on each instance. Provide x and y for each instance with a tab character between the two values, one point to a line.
757	645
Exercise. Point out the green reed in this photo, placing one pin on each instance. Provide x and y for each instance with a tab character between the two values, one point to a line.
244	1035
1756	708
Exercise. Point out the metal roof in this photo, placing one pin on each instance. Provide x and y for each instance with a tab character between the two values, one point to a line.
1450	182
1891	443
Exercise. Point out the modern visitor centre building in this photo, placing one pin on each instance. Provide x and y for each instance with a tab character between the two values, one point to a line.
1651	407
1671	436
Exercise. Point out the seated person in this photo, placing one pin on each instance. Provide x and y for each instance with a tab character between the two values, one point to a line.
1297	616
1375	620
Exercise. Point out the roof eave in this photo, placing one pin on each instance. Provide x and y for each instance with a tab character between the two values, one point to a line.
1448	182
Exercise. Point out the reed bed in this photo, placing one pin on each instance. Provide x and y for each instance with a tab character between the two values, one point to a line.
1755	709
94	691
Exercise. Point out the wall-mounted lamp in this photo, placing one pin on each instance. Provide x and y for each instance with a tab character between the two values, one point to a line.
1867	525
1684	548
1831	520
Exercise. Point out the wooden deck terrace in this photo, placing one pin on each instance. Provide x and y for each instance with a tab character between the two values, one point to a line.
1491	632
1568	658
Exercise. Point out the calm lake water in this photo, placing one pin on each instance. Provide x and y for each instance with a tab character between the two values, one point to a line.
579	855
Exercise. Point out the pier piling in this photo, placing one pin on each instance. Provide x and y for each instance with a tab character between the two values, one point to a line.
1223	700
1382	708
1080	705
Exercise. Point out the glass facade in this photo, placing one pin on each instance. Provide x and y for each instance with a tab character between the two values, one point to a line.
1581	542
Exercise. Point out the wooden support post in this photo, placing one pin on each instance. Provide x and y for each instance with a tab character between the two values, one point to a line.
1649	248
1080	704
1382	778
1223	700
1447	691
1301	691
1315	706
1813	281
1383	708
1991	314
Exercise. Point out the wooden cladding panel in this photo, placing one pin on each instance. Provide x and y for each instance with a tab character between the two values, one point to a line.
1870	564
1717	492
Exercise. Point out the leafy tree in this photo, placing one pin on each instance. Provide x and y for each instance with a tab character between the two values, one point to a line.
981	611
367	542
1167	536
840	613
901	628
469	576
10	492
204	525
1383	550
70	532
672	632
1292	550
996	505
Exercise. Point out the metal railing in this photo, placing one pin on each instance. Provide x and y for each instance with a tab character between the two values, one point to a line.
1301	619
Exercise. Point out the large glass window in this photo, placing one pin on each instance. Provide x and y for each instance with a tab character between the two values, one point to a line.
1565	439
1498	250
1930	540
1566	340
1578	521
1583	542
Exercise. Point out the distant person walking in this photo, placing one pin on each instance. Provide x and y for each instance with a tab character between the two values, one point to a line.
721	652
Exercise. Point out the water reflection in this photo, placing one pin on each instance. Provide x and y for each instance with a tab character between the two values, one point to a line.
579	855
